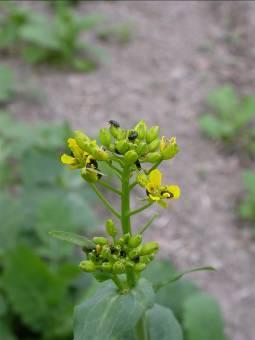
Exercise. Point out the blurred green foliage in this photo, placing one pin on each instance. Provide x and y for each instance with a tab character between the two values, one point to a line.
247	207
231	120
37	287
7	84
48	39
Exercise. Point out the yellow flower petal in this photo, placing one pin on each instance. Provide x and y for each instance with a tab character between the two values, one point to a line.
175	190
155	177
66	159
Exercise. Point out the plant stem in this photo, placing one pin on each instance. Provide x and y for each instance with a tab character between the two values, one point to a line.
154	166
140	330
117	281
146	226
125	202
132	185
140	209
108	186
104	200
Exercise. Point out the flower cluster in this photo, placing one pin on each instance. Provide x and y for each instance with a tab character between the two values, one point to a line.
119	256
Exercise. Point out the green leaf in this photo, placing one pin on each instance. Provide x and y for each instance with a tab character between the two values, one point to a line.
202	318
224	101
108	314
73	238
173	295
6	332
246	111
37	295
162	324
249	181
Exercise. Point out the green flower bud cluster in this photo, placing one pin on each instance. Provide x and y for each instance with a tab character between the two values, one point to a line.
138	145
90	146
126	253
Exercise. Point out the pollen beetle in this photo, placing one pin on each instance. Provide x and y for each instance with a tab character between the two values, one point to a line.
132	135
114	123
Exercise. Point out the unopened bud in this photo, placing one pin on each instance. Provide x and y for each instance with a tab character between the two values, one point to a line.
152	134
134	253
111	228
135	241
106	267
142	179
100	240
87	266
153	157
142	149
130	157
139	267
81	139
100	155
153	146
105	136
141	129
149	248
121	146
118	267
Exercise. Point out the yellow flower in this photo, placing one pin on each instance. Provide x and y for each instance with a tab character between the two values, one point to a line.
90	172
168	147
158	193
77	159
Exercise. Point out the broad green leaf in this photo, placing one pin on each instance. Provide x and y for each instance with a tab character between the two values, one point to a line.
202	318
73	238
6	332
224	101
3	306
159	271
108	314
162	324
37	295
245	112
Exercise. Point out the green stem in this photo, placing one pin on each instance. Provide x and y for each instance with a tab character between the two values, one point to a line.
140	209
154	166
125	202
117	281
146	226
104	200
108	186
140	330
132	185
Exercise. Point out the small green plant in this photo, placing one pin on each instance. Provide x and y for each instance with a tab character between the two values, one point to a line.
124	301
247	207
232	119
54	40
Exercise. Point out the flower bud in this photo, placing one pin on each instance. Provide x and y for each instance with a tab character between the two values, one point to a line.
149	248
153	157
87	266
100	240
134	253
81	139
139	267
121	134
153	146
114	130
130	157
106	267
168	147
142	149
89	176
111	228
105	136
100	155
141	129
118	267
129	264
142	179
145	259
135	241
105	252
122	146
152	134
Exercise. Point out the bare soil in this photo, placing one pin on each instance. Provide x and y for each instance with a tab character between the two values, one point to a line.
180	50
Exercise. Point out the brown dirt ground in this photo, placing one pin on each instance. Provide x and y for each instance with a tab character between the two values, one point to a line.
179	51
